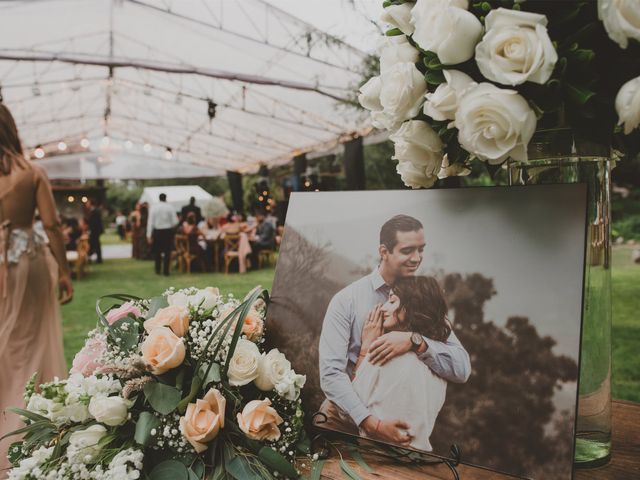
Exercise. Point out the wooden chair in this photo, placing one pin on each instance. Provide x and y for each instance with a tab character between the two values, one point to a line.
178	255
266	257
232	251
79	259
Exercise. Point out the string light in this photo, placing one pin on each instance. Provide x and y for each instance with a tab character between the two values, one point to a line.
71	199
85	199
38	152
84	143
62	146
168	154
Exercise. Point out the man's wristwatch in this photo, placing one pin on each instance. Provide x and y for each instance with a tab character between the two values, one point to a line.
416	341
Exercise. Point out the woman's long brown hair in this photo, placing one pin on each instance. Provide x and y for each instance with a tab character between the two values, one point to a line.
425	306
10	147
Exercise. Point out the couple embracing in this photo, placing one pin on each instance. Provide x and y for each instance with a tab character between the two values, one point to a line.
387	349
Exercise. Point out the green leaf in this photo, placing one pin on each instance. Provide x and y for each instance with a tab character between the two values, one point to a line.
29	414
219	473
304	444
355	454
274	460
394	32
349	472
163	398
581	55
31	428
316	470
129	337
578	95
432	63
146	422
15	454
240	469
213	376
434	77
156	304
169	470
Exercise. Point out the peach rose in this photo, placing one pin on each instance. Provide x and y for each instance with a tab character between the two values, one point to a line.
203	420
253	325
121	312
259	420
88	360
175	317
162	350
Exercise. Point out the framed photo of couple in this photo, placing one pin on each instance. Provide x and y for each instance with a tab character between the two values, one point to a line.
430	318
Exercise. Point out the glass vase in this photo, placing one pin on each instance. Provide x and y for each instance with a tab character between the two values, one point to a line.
556	156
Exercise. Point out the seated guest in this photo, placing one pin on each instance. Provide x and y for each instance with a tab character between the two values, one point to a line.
210	228
191	208
264	237
235	224
197	244
71	233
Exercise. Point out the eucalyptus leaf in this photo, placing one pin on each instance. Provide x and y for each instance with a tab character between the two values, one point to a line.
213	376
146	422
156	304
169	470
316	470
240	469
163	398
274	460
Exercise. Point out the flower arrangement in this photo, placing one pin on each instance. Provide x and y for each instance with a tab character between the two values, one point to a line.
175	387
464	81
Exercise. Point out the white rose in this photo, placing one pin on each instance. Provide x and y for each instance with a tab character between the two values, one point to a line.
516	48
446	28
77	412
494	123
206	298
244	364
455	170
621	20
418	149
273	368
443	103
83	444
111	411
628	105
394	50
399	16
178	299
289	387
400	89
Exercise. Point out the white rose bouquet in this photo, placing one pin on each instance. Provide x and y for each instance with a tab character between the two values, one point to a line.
467	81
178	386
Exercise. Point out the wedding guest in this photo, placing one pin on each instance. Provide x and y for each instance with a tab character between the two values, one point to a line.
121	225
96	229
30	324
195	238
191	208
160	231
136	231
71	233
263	237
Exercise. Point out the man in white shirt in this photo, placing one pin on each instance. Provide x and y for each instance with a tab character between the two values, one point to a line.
160	230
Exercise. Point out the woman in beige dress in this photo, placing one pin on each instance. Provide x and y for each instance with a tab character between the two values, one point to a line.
30	272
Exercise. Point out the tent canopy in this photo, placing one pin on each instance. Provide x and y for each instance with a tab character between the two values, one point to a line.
216	84
177	196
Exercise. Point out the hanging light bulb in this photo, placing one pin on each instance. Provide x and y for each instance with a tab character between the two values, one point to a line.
85	199
168	154
38	152
147	147
84	143
62	146
71	199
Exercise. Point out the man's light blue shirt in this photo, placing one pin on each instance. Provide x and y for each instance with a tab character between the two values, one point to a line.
341	337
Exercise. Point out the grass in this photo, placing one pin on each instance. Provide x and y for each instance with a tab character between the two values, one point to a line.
137	278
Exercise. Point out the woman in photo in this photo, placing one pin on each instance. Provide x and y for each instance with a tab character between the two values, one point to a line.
405	388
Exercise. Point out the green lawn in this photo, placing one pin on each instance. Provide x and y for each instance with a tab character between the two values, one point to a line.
137	278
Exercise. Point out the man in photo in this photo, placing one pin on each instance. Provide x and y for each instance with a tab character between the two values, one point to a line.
378	332
160	233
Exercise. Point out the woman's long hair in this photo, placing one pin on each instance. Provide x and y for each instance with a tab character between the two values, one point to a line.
10	147
425	306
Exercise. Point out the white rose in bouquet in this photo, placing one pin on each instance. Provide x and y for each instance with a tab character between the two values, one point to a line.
84	444
178	299
418	149
111	411
394	50
399	16
395	96
446	28
273	368
289	387
206	298
455	170
621	20
516	48
245	363
442	104
494	123
628	105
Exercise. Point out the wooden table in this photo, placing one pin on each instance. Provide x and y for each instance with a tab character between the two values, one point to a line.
625	464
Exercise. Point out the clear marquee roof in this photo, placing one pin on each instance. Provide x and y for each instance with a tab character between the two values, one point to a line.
129	86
